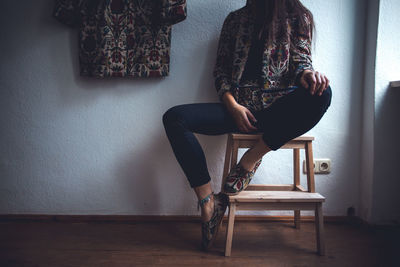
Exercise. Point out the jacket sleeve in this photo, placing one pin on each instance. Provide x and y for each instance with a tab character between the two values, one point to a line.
67	11
300	49
172	11
223	66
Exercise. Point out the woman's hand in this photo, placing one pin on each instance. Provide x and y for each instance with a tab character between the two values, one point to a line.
241	115
315	81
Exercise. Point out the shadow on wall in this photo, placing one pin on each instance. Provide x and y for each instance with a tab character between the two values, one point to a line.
386	184
141	191
205	88
346	182
146	182
353	143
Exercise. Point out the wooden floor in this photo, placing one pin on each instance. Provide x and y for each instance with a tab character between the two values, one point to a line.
60	244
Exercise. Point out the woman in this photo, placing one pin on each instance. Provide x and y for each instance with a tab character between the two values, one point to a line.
266	83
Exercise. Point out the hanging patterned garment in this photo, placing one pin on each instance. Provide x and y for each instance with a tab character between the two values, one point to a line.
122	38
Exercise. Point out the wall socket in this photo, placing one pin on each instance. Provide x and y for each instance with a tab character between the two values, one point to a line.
321	166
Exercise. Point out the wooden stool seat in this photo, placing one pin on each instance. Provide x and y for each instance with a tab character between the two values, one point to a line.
275	197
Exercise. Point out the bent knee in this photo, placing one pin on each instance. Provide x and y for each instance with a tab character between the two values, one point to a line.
172	115
321	101
326	97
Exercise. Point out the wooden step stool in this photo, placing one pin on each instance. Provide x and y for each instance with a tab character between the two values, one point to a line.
275	197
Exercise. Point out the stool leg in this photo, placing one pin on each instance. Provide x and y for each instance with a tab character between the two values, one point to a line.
296	182
228	155
310	167
319	227
235	150
297	219
229	229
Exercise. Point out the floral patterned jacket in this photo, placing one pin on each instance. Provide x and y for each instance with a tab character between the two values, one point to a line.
282	61
121	38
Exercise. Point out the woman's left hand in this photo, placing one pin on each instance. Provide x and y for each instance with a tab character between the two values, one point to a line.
315	81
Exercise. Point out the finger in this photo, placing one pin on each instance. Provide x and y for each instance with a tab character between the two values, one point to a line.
252	128
251	116
304	78
323	85
319	82
312	82
248	125
325	82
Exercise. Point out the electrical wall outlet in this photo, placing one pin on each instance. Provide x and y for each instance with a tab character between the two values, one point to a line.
321	166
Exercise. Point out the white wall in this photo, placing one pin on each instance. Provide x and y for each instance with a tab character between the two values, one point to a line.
386	199
73	145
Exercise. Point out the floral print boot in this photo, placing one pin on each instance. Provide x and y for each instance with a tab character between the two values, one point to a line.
238	179
209	230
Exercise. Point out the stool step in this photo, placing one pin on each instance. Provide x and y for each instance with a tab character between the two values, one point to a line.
252	136
276	196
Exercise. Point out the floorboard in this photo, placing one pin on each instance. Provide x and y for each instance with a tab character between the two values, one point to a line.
178	243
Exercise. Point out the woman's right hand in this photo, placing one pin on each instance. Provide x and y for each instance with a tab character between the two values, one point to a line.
241	115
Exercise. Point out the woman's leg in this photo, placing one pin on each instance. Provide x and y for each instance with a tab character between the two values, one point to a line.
252	155
180	123
286	119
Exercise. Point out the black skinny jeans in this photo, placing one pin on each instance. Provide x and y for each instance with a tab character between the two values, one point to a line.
287	118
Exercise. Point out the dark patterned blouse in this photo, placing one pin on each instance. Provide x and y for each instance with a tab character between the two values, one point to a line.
271	70
120	38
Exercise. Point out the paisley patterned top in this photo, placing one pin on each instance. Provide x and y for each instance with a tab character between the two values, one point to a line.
281	62
122	38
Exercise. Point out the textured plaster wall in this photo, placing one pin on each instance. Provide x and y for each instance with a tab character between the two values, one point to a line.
386	199
73	145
